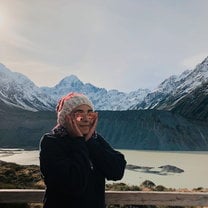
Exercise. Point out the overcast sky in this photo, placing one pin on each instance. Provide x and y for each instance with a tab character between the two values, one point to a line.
115	44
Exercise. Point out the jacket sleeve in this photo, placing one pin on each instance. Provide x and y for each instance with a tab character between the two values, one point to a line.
109	161
65	172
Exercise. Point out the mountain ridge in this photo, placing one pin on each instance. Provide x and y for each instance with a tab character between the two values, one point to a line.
175	90
30	97
13	91
18	90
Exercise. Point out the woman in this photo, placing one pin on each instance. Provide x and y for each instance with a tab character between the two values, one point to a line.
75	160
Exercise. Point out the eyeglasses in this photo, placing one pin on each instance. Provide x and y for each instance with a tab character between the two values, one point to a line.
79	116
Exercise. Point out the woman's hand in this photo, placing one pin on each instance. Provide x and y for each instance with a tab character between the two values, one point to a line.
93	127
71	126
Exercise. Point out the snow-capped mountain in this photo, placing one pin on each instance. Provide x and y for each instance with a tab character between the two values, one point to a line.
175	88
195	104
19	91
101	98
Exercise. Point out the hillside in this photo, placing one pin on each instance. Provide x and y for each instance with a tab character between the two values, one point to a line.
186	94
195	104
21	128
153	130
20	176
143	129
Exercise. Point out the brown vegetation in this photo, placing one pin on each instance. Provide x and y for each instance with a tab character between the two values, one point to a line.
14	176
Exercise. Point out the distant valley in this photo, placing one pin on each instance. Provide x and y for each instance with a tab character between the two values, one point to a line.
174	116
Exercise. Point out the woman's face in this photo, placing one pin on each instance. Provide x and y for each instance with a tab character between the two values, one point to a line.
84	117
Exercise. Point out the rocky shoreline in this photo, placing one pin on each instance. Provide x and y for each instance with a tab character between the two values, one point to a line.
14	176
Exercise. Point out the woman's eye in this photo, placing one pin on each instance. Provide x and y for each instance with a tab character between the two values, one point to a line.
79	118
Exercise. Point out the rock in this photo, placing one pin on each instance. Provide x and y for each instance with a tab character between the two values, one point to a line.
160	188
136	167
148	184
170	168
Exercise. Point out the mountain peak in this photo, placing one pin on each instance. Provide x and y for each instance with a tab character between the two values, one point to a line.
205	60
202	67
71	78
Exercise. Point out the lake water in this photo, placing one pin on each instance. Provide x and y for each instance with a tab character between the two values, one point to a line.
194	164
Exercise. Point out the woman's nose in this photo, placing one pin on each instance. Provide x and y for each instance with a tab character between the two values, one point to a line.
85	117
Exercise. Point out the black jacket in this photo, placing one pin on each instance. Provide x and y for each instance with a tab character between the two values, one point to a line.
74	170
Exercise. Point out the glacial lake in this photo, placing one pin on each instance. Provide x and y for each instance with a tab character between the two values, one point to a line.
194	165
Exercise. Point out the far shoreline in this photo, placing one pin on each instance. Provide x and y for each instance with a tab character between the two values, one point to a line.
141	150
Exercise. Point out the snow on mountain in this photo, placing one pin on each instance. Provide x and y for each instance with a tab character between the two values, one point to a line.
70	84
101	98
175	88
194	104
193	79
17	90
